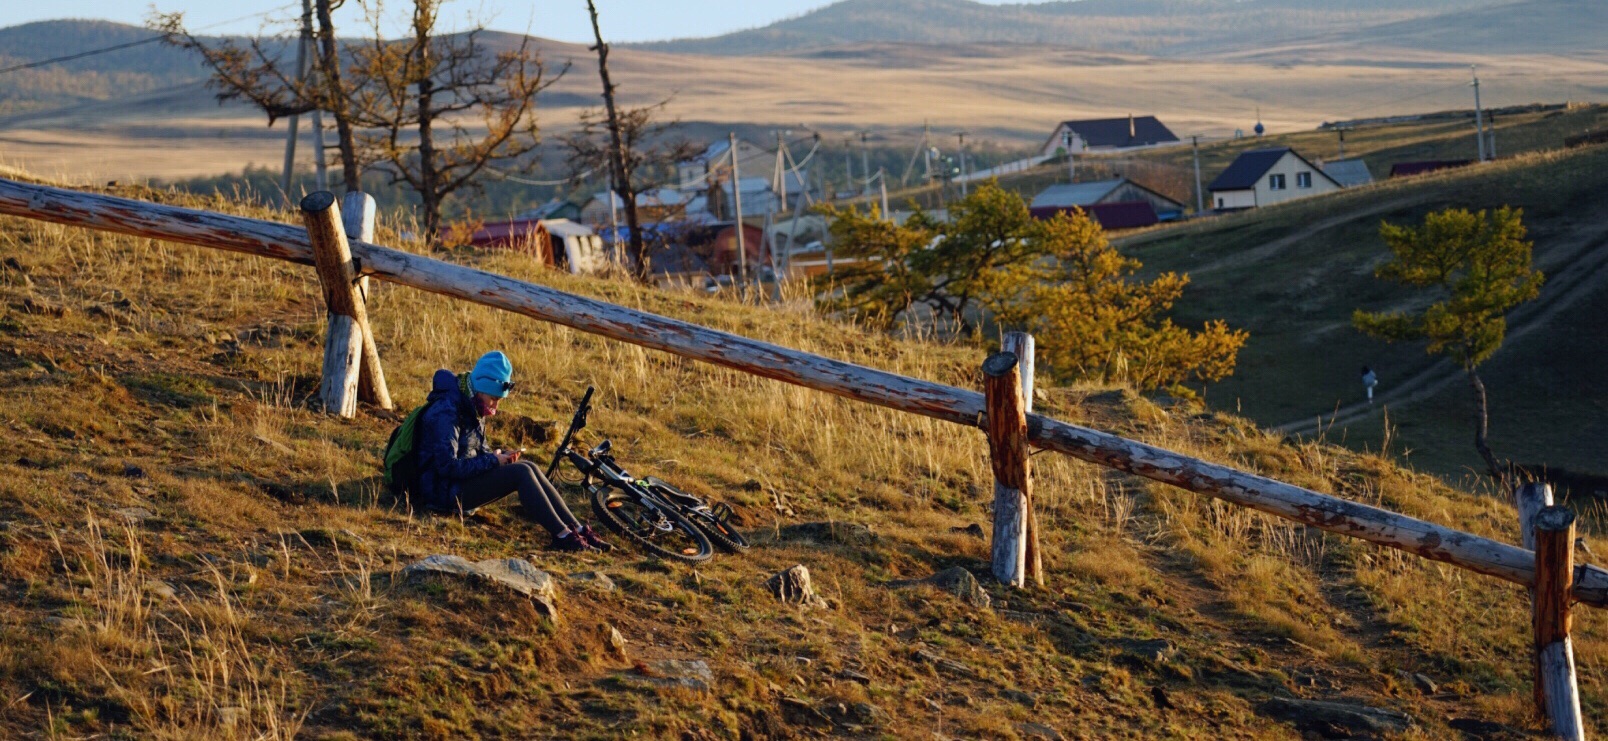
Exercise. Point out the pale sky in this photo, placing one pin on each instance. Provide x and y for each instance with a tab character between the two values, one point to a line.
622	20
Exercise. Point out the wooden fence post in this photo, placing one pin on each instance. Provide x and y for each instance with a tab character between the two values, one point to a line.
1530	499
1558	691
358	214
332	258
1007	451
1021	345
343	351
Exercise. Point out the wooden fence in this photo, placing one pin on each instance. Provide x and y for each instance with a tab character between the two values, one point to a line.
1561	583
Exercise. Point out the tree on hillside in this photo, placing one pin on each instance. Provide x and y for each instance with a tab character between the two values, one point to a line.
255	73
1476	267
417	99
1059	279
629	145
1093	319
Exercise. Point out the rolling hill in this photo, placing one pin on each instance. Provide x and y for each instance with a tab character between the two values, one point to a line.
1148	26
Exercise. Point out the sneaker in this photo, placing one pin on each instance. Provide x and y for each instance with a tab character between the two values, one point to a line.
593	539
571	543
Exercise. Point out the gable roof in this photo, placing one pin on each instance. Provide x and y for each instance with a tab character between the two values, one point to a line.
1251	165
1075	194
1115	132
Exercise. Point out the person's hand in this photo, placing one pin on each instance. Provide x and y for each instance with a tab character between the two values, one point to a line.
504	459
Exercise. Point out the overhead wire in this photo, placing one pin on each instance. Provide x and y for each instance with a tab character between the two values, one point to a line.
131	44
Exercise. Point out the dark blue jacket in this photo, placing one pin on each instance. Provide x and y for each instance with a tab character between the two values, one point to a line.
452	443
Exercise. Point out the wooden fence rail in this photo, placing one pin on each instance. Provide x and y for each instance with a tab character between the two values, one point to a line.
939	401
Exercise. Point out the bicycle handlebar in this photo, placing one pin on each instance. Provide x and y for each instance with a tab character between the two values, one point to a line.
577	423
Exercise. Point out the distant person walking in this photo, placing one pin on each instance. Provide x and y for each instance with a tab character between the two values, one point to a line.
1369	381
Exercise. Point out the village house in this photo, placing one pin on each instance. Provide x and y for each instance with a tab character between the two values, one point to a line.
693	174
657	204
1263	177
1107	135
1115	204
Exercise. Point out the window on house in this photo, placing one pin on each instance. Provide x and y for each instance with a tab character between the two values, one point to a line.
1303	180
1275	182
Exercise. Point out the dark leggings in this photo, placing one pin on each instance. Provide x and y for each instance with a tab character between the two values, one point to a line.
539	498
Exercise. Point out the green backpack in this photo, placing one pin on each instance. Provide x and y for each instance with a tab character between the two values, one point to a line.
401	459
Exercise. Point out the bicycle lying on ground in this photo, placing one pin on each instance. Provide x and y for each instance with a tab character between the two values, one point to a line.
662	519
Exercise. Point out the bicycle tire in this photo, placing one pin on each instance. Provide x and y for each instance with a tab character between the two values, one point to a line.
726	537
616	509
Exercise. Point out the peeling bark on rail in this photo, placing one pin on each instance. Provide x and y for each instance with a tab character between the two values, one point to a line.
947	403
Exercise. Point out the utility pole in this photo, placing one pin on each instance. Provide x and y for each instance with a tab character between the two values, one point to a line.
737	203
848	164
1071	162
779	179
1200	195
302	43
882	183
1479	117
1341	130
865	159
964	191
926	150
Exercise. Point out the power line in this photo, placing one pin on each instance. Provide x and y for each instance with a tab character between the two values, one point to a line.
131	44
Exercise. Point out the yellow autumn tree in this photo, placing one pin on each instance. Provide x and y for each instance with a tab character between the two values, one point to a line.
1059	279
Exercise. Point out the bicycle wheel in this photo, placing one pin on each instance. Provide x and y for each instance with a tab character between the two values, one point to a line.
713	520
666	534
720	532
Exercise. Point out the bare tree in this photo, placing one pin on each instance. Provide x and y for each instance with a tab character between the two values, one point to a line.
636	146
438	111
255	73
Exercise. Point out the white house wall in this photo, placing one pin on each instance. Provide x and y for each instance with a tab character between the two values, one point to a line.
1232	199
1289	166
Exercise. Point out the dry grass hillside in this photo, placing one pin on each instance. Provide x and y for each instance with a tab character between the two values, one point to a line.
187	550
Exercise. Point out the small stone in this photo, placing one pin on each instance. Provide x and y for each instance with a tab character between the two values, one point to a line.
232	717
615	641
594	580
63	623
854	676
134	514
1425	684
957	581
867	714
1019	697
975	530
1041	731
161	589
794	587
694	675
1154	651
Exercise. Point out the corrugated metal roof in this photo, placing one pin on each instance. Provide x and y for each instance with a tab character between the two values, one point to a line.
1348	173
1110	216
1248	168
1075	194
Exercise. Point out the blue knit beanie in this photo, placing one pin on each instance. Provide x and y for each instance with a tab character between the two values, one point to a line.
493	375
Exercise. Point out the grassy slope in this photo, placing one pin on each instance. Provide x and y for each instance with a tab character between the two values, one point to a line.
1303	357
287	617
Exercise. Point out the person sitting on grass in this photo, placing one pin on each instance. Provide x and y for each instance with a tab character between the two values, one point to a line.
458	472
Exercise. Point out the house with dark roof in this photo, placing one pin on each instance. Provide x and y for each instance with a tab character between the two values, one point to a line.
1115	204
1107	135
1263	177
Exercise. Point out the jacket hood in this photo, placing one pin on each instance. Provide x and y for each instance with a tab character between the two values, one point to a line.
445	382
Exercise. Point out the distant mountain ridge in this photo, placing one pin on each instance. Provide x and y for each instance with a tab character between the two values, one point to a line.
1139	26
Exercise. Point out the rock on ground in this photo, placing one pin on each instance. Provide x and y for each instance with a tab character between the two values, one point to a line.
694	675
794	587
956	581
516	574
1335	719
